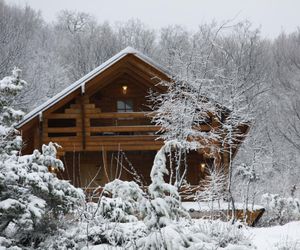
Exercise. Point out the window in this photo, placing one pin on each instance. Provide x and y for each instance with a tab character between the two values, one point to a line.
124	106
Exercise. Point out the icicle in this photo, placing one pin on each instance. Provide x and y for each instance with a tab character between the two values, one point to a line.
41	116
83	88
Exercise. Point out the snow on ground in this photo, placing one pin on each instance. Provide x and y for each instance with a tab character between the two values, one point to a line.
102	247
286	237
277	237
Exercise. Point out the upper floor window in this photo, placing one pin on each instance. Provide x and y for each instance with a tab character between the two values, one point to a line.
125	106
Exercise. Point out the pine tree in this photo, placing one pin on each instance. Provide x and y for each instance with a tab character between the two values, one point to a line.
10	87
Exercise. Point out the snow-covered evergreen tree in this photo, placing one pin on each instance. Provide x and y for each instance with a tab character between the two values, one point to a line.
32	199
10	86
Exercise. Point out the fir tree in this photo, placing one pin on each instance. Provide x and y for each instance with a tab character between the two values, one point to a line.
10	87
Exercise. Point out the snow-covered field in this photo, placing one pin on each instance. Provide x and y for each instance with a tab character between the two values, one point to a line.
285	237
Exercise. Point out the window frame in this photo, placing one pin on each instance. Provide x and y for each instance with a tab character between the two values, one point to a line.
127	105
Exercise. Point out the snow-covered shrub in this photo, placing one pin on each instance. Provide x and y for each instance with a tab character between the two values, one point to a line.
117	210
200	234
221	233
123	206
164	204
279	210
8	244
117	234
169	237
33	200
64	238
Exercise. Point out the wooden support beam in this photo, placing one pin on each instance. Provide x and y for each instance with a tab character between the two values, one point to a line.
83	129
41	125
36	137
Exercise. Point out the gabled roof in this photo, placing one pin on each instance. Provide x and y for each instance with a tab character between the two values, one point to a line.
82	81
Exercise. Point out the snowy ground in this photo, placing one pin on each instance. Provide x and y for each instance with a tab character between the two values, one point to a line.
286	237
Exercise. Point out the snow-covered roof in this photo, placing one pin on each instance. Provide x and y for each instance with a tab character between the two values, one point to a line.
81	82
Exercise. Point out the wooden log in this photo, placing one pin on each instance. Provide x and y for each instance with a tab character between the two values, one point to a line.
141	142
120	138
62	116
77	111
63	139
119	115
83	126
124	147
145	128
63	130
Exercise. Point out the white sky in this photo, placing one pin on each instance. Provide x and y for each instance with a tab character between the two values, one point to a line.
273	16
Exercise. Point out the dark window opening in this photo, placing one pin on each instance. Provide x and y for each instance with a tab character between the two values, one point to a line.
61	134
125	106
61	123
100	122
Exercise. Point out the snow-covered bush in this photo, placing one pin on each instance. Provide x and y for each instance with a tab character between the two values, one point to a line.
221	233
200	234
123	206
279	210
33	200
64	238
169	237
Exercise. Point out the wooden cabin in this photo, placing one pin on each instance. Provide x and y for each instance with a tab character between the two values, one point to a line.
103	126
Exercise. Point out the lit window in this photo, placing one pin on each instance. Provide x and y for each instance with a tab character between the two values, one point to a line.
124	106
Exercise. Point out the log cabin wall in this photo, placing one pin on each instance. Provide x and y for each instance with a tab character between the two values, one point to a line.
87	169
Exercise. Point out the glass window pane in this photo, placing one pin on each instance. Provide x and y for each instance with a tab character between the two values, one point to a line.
120	105
125	106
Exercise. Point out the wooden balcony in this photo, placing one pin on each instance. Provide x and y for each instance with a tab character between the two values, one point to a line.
114	131
83	127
